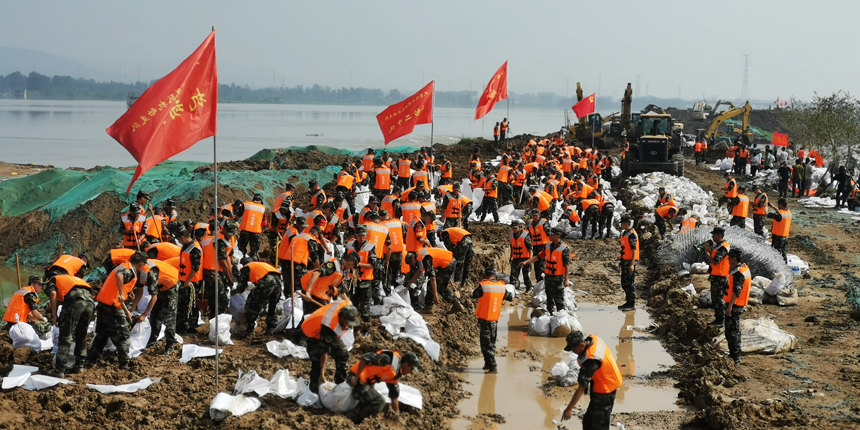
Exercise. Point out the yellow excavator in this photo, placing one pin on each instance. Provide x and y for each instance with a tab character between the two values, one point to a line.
714	129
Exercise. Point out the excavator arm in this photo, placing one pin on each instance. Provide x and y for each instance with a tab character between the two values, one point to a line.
731	113
653	107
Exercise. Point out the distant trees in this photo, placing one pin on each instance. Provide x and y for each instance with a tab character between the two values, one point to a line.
829	124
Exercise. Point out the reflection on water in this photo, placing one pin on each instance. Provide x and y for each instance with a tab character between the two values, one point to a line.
516	391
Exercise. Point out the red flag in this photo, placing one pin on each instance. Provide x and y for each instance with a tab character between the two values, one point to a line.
779	139
173	114
584	106
401	118
497	89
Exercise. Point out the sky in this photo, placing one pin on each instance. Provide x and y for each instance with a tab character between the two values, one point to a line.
690	49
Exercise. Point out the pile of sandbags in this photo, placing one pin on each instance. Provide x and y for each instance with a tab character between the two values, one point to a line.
761	336
559	324
566	371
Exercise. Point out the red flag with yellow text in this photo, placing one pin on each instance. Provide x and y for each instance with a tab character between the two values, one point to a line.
584	107
401	118
779	139
497	89
174	113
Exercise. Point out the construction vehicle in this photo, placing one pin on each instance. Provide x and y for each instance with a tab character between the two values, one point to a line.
715	111
701	110
654	147
615	130
589	129
713	131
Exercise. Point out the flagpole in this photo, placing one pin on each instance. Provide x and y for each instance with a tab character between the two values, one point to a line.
215	244
432	123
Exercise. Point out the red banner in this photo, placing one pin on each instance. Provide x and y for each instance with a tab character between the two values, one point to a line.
401	118
779	139
584	107
497	89
174	113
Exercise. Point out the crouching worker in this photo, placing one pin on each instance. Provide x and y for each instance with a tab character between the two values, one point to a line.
266	294
598	374
374	367
324	329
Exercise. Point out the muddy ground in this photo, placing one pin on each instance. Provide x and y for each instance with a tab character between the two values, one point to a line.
813	386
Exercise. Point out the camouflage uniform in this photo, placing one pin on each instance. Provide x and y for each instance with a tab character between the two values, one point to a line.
415	293
112	324
327	269
74	320
361	296
164	312
488	330
209	281
331	344
370	402
268	289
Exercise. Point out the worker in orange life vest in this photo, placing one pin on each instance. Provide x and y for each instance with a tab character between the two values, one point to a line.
22	307
598	374
781	227
716	251
556	257
736	299
662	215
496	133
490	294
252	215
629	255
375	367
76	296
68	265
266	293
324	329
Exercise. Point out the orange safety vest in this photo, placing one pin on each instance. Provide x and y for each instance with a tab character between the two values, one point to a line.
155	226
185	274
456	234
174	262
403	168
721	268
69	263
383	179
587	203
376	234
627	248
168	276
410	211
17	306
345	180
491	189
252	217
490	303
781	228
554	262
742	209
666	199
454	208
544	200
423	176
372	374
395	235
566	165
166	250
412	243
518	246
520	178
688	224
286	195
324	316
318	199
209	255
259	270
743	298
607	378
574	216
387	204
731	188
538	233
112	294
367	161
320	289
446	169
760	205
284	250
128	224
664	211
299	251
503	175
65	283
698	147
120	255
441	258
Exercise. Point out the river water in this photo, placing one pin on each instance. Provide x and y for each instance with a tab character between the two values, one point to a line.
72	133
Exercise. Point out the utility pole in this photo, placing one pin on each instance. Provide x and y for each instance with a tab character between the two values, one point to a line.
745	87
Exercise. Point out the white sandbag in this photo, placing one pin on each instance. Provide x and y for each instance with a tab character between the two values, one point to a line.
761	282
700	268
305	397
282	385
237	307
762	336
705	299
690	290
362	196
569	298
539	326
144	298
40	382
756	295
24	335
223	329
138	337
224	405
797	265
292	314
286	348
408	395
566	371
251	382
562	323
337	398
776	285
125	388
191	351
18	375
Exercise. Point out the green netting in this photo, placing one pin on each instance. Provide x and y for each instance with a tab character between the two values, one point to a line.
58	191
271	154
764	134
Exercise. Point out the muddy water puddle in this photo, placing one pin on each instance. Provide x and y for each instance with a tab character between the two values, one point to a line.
517	394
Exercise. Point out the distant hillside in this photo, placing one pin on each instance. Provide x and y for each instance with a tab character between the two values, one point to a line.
27	60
